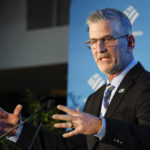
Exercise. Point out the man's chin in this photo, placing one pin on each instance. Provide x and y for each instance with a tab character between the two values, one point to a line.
111	71
105	70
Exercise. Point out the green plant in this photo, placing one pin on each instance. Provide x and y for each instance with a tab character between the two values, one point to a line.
33	102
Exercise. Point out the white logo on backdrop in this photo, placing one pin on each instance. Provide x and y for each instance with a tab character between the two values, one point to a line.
133	14
95	81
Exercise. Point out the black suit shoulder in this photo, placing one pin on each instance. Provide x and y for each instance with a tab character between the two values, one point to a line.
128	115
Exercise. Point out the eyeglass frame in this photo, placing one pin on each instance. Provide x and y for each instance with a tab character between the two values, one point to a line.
103	39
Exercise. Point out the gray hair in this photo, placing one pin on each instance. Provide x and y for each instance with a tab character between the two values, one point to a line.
111	14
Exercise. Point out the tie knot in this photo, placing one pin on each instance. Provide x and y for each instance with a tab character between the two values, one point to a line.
108	90
109	87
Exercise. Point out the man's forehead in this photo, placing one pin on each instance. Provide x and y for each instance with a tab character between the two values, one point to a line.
106	27
108	23
100	28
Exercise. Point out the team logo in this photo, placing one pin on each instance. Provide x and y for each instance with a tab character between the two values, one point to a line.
133	14
95	82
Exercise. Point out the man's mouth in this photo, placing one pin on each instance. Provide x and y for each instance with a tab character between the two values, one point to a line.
104	58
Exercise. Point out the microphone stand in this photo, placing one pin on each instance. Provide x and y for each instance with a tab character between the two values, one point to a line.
50	104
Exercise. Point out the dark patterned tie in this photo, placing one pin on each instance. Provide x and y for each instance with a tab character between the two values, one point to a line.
106	98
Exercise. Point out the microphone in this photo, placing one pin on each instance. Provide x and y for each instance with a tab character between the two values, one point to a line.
47	105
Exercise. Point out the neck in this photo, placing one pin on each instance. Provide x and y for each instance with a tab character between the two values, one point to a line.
112	76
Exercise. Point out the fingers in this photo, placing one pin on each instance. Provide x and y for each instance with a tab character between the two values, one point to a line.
63	117
63	125
71	133
67	125
66	109
70	111
74	116
17	110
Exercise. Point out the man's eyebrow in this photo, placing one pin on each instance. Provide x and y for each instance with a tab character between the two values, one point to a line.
94	39
110	36
105	36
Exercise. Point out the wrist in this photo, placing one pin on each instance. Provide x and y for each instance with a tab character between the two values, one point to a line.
99	125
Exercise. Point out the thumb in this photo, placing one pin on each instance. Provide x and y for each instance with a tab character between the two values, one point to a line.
17	110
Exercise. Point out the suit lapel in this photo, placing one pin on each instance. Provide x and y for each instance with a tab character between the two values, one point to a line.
98	101
122	90
118	97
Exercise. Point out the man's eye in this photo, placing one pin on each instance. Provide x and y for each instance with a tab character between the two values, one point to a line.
108	39
93	41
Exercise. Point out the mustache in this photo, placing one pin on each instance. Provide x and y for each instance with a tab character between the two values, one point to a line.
103	55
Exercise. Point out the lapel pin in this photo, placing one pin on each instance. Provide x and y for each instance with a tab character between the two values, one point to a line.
121	90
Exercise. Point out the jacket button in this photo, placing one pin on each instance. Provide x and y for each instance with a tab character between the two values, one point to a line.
118	141
115	140
121	142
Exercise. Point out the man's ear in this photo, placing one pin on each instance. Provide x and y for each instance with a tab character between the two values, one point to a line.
131	41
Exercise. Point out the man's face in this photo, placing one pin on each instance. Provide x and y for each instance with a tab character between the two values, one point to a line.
113	59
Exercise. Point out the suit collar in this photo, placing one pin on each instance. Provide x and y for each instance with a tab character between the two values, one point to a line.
123	88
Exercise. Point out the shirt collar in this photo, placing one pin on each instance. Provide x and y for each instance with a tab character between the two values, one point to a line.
117	80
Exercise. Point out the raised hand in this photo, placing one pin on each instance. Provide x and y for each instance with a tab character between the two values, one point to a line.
83	123
8	121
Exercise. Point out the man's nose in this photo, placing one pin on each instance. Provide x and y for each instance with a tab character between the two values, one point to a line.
100	47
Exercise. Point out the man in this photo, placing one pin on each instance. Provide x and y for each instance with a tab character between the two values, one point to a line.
116	116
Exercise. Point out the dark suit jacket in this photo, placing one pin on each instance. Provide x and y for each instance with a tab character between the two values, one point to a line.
127	118
128	115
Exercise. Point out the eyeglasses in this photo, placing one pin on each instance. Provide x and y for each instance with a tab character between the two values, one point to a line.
106	41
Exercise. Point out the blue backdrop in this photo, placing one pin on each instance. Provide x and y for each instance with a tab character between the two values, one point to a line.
83	74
